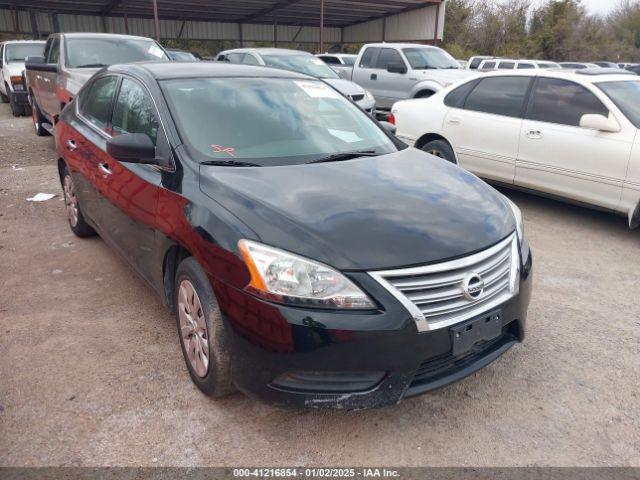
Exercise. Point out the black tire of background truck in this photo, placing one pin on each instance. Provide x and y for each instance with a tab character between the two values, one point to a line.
38	119
218	380
17	109
441	149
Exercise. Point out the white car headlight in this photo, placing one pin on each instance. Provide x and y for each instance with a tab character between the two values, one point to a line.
519	221
288	278
369	96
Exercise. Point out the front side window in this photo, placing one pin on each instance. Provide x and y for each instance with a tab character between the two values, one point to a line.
507	65
422	58
100	52
626	96
388	56
250	60
307	64
499	96
134	111
234	57
330	60
269	121
350	60
368	57
475	63
96	105
54	53
18	52
489	66
563	102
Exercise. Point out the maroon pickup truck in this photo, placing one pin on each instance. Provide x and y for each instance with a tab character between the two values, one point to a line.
69	60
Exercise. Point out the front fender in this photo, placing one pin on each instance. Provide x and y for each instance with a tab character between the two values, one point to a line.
425	85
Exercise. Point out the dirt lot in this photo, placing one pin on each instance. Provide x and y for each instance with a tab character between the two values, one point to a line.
91	371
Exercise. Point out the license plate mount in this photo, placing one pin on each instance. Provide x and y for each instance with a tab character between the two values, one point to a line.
465	335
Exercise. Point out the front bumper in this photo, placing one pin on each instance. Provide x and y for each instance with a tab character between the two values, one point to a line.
20	98
272	340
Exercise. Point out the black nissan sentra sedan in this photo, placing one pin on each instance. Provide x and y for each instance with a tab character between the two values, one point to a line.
311	259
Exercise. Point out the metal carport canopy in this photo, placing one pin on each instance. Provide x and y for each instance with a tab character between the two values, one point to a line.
336	13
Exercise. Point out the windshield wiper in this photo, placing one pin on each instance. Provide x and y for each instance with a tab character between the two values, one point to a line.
338	157
229	163
92	65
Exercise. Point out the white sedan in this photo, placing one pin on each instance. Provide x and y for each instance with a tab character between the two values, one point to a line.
566	134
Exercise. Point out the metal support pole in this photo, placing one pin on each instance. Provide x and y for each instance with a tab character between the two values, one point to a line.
275	33
155	19
384	29
16	23
181	28
435	34
321	26
34	25
55	23
126	18
240	36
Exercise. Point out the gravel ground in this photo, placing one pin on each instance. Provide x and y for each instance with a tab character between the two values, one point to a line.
91	371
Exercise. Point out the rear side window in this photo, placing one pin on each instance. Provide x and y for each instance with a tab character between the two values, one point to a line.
368	57
563	102
456	97
388	56
96	107
235	57
250	60
489	66
499	96
134	111
330	60
526	66
475	63
507	65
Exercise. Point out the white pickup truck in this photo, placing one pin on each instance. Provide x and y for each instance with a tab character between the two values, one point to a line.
400	71
12	86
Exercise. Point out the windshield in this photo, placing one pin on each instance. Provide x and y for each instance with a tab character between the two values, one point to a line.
269	121
17	52
307	64
350	60
182	56
425	58
100	52
626	96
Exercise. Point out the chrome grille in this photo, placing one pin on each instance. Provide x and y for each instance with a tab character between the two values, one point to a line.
435	294
357	98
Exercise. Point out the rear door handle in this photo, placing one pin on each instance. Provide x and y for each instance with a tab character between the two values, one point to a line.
534	134
374	76
454	121
71	145
104	169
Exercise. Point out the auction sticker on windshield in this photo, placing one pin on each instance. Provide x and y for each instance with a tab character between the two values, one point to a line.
317	90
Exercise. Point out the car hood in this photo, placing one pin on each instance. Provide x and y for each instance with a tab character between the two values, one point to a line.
346	87
15	68
444	76
396	210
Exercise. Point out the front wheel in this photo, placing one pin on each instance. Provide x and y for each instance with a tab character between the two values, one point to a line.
440	149
203	338
78	224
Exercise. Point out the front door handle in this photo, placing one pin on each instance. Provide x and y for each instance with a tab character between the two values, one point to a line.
534	134
374	76
104	168
454	121
71	145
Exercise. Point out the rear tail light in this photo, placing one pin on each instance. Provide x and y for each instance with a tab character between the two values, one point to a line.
392	119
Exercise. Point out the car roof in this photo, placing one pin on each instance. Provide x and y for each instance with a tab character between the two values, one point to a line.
6	42
400	45
174	70
267	51
103	35
587	75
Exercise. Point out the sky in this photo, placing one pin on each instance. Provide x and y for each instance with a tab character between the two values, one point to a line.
593	6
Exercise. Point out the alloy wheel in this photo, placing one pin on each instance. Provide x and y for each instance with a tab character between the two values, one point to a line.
193	328
70	201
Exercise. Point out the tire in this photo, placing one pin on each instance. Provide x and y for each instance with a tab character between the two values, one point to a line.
202	331
76	220
38	118
16	109
441	149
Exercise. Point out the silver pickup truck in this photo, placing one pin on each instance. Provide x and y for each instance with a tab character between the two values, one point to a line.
399	71
69	60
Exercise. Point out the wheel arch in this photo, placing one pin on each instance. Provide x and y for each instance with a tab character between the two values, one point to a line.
173	255
634	216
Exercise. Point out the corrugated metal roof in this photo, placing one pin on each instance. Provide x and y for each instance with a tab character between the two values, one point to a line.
337	13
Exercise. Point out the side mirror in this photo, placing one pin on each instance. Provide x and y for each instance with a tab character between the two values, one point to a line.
389	127
39	63
396	68
600	123
132	148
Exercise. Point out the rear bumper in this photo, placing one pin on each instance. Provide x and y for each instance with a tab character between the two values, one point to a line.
271	341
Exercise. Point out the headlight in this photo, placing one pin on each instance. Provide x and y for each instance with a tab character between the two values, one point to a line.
518	216
369	96
17	82
287	278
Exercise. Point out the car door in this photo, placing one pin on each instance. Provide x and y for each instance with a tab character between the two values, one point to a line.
392	86
129	191
84	142
365	74
49	99
485	129
557	156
